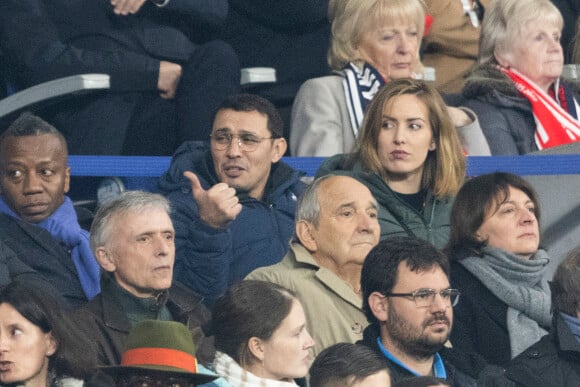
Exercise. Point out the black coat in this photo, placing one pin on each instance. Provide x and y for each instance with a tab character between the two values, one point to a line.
56	38
552	361
479	319
42	40
39	251
106	323
290	36
13	269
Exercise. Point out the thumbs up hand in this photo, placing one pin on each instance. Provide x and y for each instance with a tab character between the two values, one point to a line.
218	206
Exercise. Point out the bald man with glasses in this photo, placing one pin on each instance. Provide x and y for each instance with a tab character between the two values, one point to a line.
234	200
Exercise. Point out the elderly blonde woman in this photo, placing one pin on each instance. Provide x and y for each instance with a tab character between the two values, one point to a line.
373	42
516	91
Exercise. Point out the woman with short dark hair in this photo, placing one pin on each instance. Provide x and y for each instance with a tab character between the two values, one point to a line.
498	267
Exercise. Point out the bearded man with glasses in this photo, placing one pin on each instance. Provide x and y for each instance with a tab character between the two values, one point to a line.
409	304
234	200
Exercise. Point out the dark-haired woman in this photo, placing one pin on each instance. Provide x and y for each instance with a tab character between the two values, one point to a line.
39	346
260	336
349	365
498	267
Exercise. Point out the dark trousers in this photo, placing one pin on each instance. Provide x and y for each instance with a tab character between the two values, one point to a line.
146	124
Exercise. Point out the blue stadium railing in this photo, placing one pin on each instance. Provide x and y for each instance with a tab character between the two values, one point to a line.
152	166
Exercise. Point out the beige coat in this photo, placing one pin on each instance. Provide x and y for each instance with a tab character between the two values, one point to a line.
320	125
452	44
333	310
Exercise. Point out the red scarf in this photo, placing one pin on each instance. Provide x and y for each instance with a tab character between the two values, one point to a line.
554	125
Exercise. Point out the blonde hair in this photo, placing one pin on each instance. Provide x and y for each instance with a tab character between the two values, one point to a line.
352	19
444	168
505	20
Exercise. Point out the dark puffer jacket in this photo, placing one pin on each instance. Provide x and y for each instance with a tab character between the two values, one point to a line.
505	116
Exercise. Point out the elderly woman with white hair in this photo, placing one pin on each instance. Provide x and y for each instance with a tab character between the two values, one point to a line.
372	43
516	91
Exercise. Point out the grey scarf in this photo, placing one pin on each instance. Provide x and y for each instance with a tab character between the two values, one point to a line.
519	283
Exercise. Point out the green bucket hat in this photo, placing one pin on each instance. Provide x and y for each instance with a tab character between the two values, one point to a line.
160	347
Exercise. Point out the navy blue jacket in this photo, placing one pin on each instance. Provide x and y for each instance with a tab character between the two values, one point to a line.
290	36
40	253
209	260
47	39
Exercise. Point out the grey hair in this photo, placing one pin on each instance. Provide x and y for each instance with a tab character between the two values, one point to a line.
504	21
128	201
308	206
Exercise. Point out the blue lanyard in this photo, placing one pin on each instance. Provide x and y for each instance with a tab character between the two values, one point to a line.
438	366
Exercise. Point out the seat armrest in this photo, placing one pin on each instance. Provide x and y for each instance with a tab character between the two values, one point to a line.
253	75
53	89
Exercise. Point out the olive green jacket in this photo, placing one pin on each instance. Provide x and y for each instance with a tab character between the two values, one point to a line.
396	217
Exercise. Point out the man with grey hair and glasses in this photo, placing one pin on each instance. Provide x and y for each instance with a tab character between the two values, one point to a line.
336	226
234	200
133	240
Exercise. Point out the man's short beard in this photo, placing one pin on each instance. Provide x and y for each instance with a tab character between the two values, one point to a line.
415	344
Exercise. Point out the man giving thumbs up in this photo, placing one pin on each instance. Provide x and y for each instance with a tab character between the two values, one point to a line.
234	201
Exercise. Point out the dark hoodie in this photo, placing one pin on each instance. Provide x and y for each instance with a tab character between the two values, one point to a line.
209	260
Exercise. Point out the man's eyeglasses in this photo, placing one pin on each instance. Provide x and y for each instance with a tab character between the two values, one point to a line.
246	141
426	297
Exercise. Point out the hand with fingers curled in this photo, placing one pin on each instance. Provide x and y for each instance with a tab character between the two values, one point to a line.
459	117
218	206
169	76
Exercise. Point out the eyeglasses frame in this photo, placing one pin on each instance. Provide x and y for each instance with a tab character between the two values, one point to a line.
240	144
413	295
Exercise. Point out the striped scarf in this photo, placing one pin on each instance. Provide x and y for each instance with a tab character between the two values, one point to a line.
360	86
